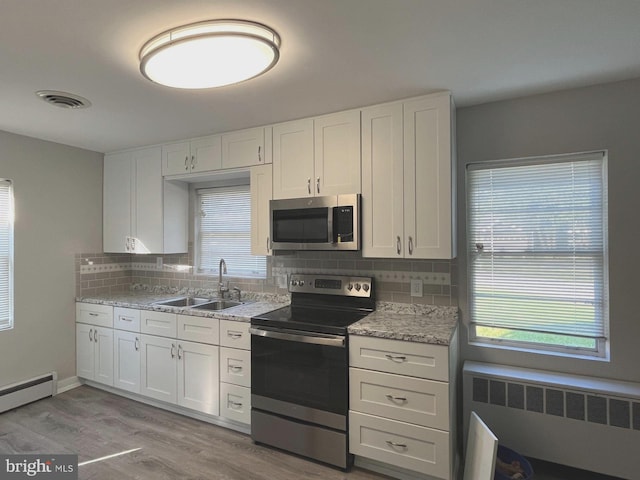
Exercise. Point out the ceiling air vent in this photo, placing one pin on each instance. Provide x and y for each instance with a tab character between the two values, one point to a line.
63	99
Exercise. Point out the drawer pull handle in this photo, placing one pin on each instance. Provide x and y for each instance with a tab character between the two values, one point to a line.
93	314
396	445
91	335
235	405
234	335
173	351
396	399
235	368
126	319
396	358
137	344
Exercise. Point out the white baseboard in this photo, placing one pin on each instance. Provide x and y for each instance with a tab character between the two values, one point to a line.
67	384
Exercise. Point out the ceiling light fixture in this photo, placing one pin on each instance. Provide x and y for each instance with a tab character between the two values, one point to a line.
210	54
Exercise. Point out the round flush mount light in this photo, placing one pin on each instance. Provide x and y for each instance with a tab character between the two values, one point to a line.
210	54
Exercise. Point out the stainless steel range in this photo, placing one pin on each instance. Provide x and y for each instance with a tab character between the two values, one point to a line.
300	367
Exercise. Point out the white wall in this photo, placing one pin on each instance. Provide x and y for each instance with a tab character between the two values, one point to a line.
594	118
58	201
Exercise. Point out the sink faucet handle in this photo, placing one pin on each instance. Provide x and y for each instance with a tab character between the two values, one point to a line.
239	292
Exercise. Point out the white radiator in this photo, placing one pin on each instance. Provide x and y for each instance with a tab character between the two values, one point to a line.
583	422
21	393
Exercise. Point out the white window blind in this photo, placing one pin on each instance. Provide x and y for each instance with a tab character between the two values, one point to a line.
6	255
537	233
224	231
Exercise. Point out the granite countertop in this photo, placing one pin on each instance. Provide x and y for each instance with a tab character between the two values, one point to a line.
411	323
143	300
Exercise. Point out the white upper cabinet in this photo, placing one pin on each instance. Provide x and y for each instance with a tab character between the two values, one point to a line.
317	156
293	159
243	148
337	153
407	179
261	193
199	155
142	213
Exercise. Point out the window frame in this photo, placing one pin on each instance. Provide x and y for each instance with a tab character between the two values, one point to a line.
8	324
602	346
242	180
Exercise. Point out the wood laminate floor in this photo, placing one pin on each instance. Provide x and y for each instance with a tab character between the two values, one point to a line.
93	424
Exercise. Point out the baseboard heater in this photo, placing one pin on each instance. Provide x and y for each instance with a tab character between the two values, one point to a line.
584	422
21	393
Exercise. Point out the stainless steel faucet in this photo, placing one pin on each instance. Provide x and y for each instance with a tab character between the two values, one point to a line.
222	289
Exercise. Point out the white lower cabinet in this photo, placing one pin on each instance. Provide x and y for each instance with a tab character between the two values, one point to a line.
169	357
184	373
401	404
235	402
94	353
235	371
126	358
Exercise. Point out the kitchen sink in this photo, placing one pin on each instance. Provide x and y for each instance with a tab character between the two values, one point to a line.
218	305
184	302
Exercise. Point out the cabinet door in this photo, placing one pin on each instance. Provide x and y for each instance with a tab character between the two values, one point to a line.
427	177
243	148
148	213
293	159
198	377
382	181
261	193
158	372
126	366
337	153
206	154
85	360
117	200
176	158
103	355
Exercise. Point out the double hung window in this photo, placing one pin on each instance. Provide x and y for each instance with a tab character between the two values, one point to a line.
537	253
223	230
6	255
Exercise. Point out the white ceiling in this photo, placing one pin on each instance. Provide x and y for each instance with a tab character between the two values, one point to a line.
336	54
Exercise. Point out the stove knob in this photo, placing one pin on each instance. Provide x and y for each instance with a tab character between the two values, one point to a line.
350	287
365	287
357	287
294	283
301	283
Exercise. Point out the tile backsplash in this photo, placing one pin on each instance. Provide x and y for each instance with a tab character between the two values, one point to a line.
104	273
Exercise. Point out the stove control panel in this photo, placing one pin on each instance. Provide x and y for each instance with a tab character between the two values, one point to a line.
331	285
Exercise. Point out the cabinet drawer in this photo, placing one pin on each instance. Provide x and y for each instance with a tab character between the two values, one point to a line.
235	366
235	403
126	319
158	323
235	334
407	399
421	449
100	315
198	329
404	358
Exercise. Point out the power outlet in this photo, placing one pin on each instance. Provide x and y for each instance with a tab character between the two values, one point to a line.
416	287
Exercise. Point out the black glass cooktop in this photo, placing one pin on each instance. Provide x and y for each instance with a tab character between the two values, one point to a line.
310	319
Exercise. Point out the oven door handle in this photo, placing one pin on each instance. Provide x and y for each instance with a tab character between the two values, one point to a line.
300	337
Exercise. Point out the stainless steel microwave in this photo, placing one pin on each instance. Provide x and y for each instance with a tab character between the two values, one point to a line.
316	223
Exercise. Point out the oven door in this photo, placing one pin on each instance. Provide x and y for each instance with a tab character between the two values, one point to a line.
295	369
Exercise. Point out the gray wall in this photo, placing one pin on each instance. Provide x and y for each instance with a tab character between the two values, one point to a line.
58	199
594	118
